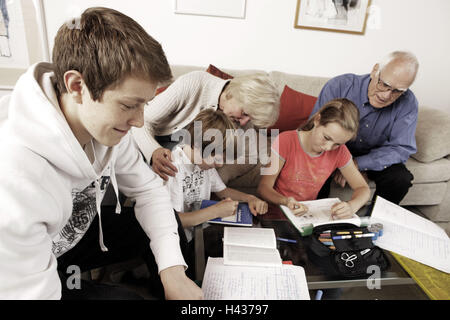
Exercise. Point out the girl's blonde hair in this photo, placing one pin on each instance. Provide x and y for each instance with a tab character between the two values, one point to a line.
259	98
341	111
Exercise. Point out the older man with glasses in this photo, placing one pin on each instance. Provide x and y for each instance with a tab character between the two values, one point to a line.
388	117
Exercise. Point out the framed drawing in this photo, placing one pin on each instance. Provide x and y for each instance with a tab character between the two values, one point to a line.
215	8
348	16
22	38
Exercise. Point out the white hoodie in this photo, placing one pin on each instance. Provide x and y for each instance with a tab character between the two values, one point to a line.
50	191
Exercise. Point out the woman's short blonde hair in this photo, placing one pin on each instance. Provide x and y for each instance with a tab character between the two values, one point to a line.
259	98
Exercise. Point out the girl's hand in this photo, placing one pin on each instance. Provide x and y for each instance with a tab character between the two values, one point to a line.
226	208
257	206
341	210
296	207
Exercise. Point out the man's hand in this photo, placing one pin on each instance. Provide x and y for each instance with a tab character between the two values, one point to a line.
257	206
177	286
162	163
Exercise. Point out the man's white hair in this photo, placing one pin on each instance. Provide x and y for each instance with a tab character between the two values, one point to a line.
408	59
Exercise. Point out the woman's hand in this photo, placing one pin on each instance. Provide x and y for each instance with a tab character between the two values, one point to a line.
162	163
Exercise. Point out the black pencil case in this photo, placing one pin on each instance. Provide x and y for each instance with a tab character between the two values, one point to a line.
351	258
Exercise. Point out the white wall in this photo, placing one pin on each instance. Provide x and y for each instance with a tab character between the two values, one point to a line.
266	39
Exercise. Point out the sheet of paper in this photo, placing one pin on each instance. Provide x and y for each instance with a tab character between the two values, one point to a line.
319	212
412	236
222	282
251	256
250	237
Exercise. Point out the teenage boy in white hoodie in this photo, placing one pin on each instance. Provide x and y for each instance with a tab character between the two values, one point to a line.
65	138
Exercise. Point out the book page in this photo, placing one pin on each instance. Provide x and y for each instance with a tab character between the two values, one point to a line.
319	212
222	282
251	256
250	237
388	211
407	234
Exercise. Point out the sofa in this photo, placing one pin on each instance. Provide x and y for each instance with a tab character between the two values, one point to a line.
430	193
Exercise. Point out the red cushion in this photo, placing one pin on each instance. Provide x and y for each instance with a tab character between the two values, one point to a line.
218	73
295	108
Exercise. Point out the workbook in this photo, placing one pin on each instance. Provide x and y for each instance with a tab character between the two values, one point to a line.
225	282
243	216
250	247
410	235
319	213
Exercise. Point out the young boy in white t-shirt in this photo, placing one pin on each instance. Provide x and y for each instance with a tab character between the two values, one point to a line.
197	177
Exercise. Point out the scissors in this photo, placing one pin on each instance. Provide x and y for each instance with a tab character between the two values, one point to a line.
348	259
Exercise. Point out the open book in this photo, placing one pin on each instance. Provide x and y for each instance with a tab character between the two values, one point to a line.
412	236
223	282
243	216
250	247
319	212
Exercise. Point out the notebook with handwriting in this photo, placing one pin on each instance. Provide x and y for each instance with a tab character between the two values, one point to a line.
225	282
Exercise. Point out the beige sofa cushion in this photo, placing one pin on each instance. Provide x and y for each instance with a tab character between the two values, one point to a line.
432	135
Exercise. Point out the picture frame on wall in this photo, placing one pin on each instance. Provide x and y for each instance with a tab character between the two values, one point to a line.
23	38
349	16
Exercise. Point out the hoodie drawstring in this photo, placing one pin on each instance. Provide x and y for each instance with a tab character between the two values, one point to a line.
116	190
98	204
98	200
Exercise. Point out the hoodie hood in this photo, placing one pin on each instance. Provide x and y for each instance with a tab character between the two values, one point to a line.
36	116
36	122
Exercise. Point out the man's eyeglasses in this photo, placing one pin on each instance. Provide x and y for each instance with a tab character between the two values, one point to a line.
383	86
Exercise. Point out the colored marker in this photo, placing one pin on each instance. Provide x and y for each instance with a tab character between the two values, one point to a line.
287	240
364	235
319	295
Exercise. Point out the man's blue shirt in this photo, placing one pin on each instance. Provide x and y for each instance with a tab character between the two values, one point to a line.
386	136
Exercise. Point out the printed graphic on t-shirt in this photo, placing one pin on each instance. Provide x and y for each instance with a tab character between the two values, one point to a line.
192	185
83	213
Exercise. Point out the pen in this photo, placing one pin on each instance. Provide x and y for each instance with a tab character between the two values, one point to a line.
364	235
287	240
319	295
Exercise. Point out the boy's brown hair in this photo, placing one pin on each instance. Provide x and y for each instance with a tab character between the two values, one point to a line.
341	111
210	119
106	46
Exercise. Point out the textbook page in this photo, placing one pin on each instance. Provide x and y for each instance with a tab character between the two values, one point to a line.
411	236
319	212
222	282
255	247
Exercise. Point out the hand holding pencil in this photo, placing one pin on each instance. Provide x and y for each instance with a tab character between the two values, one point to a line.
296	207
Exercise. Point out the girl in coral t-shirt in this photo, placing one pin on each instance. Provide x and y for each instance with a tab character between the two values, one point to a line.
306	158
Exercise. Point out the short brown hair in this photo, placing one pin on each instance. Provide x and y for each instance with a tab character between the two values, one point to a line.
341	111
211	119
105	46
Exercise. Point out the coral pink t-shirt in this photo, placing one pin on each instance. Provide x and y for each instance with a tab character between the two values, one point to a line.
303	174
